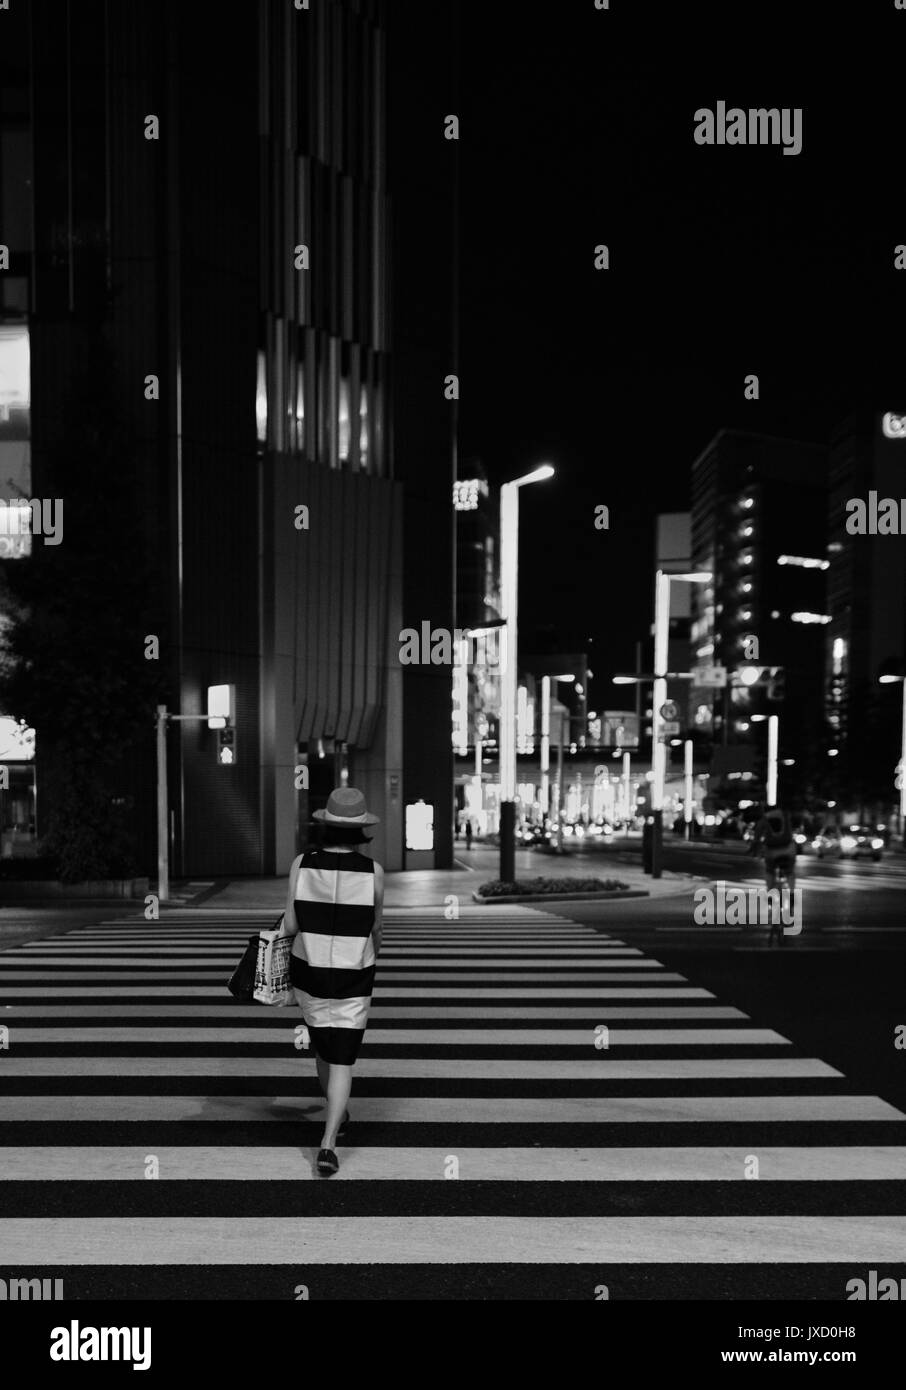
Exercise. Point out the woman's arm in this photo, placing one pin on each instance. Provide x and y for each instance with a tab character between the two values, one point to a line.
377	929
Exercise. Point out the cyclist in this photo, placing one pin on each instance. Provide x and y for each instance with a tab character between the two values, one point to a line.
774	836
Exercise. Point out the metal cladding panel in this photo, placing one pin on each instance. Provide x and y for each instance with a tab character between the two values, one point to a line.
346	595
343	581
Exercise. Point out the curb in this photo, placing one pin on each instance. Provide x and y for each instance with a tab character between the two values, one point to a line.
560	897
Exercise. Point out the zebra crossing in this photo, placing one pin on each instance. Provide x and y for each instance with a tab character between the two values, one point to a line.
537	1106
846	881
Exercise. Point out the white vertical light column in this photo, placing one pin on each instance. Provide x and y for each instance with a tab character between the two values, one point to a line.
627	789
773	741
546	745
687	789
659	693
509	598
903	766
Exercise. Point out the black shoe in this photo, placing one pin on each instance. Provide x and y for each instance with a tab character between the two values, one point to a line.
328	1163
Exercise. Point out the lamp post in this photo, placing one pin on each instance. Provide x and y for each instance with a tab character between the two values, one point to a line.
509	597
545	748
773	744
662	582
901	767
773	723
687	799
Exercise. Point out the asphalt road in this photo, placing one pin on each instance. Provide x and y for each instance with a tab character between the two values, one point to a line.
124	1046
838	989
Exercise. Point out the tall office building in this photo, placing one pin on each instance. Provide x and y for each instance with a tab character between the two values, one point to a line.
866	636
673	555
210	196
759	518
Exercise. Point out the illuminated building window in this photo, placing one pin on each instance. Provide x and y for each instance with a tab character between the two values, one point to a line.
466	492
344	429
822	618
300	409
261	399
803	561
364	434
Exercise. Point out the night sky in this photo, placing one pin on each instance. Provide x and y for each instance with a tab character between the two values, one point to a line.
578	130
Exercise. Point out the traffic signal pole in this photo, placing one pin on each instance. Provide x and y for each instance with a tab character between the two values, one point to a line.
163	838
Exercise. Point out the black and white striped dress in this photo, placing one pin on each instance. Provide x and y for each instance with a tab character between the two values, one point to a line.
333	957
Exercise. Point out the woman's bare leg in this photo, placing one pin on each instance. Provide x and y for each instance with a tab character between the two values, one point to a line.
338	1088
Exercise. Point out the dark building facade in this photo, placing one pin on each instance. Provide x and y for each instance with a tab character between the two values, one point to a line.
222	214
866	636
759	519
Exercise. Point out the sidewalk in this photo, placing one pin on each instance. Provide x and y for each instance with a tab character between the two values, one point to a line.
420	888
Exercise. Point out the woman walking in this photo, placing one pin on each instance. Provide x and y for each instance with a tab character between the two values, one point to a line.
338	900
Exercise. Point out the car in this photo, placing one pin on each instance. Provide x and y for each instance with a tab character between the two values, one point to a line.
533	835
850	842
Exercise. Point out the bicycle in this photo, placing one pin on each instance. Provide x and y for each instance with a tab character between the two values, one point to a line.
780	882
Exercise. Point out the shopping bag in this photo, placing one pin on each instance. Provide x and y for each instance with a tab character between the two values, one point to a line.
241	983
272	983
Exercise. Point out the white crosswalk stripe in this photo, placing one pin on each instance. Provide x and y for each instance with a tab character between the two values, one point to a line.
518	1047
836	883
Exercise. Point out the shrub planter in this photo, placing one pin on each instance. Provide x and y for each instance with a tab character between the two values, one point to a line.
554	890
21	890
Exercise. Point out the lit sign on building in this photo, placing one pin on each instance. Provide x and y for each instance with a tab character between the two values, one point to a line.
419	826
461	700
15	377
894	426
466	492
17	740
221	705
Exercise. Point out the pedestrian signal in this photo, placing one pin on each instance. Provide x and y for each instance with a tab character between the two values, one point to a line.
226	746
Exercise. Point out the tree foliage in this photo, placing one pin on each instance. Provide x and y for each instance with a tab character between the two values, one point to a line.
72	661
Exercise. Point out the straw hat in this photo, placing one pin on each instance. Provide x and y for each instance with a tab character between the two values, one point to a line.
346	806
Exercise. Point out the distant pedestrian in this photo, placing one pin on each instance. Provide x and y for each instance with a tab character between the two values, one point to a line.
469	834
339	900
774	837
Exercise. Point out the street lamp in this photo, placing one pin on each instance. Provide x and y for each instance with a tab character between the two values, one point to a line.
662	583
901	766
509	598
